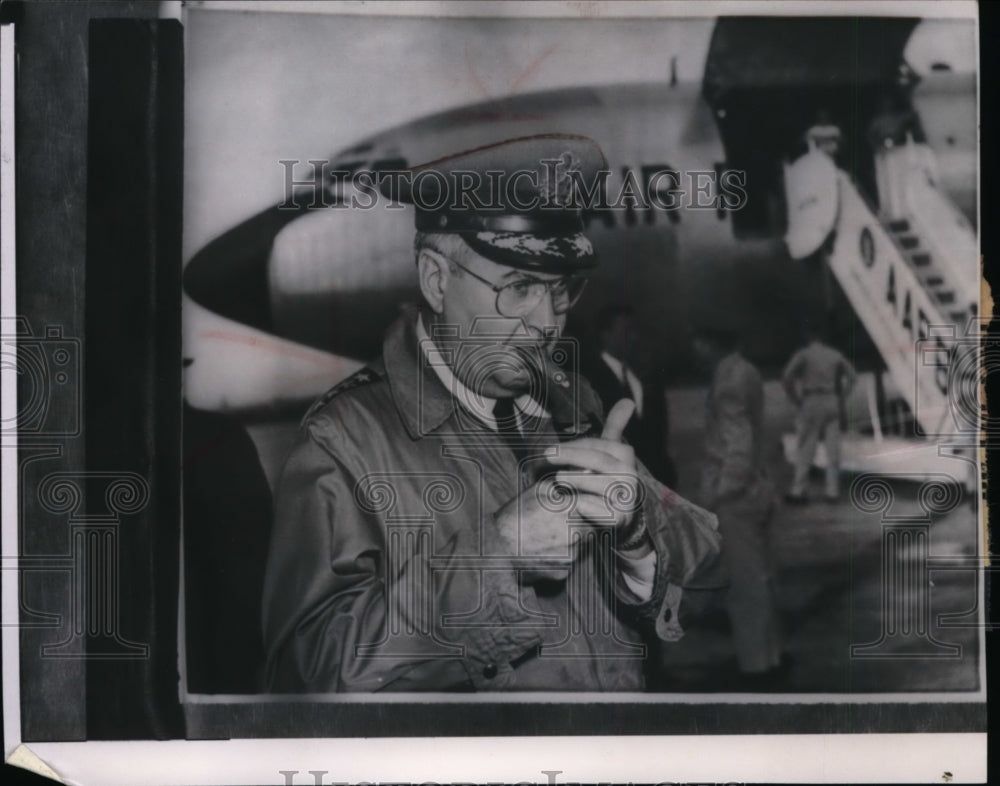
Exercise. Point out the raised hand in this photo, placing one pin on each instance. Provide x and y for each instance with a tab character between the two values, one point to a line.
600	472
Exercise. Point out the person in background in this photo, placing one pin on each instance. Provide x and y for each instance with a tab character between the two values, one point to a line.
735	485
817	379
892	123
824	135
610	367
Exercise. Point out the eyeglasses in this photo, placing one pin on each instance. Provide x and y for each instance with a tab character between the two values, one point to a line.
522	296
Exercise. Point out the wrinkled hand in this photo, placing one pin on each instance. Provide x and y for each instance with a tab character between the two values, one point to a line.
600	472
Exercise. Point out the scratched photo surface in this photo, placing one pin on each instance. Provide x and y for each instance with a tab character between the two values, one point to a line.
787	288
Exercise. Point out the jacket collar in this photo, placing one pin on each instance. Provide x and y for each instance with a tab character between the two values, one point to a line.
421	399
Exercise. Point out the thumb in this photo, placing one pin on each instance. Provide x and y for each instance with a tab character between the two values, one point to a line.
618	418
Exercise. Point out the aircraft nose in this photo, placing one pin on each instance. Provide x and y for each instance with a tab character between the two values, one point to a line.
294	299
336	276
343	247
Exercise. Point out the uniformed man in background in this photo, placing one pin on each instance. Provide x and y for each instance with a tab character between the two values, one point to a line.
458	516
824	135
735	485
818	380
610	366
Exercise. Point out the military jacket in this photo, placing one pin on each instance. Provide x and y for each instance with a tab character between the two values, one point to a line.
382	574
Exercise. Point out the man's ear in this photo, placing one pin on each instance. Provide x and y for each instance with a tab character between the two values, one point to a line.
433	273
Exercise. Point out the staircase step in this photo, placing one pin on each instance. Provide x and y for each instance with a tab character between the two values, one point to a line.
909	241
946	297
921	259
959	317
934	281
899	225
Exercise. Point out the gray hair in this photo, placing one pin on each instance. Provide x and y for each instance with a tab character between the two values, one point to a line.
450	246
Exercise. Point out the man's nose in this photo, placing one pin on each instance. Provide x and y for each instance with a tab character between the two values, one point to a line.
543	315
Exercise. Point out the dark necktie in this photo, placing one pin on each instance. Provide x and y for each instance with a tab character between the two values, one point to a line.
504	412
506	415
626	387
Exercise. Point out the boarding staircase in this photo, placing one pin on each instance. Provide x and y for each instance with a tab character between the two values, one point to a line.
911	273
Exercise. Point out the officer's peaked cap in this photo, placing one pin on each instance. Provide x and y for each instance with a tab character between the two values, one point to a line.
517	202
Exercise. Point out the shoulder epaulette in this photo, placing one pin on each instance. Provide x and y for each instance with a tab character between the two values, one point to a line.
358	379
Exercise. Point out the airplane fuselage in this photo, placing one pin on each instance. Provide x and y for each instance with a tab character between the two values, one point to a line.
671	240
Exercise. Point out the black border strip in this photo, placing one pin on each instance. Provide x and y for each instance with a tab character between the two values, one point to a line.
132	405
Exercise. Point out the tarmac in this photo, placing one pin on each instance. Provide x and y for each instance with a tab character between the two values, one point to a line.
828	567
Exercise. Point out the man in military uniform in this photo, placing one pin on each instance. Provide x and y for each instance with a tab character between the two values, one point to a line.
734	484
610	369
458	516
817	379
824	135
